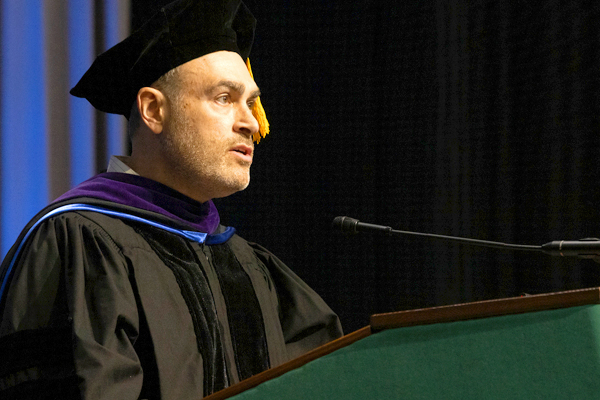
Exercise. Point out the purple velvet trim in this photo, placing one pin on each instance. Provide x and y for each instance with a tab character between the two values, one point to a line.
146	194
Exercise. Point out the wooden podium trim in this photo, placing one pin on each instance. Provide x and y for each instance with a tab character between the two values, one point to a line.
290	365
484	309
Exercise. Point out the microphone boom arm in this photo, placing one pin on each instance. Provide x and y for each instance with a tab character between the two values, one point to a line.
584	248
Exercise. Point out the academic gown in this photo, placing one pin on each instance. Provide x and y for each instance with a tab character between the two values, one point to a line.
127	303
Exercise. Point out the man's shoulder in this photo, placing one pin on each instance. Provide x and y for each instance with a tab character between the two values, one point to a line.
104	213
92	213
75	218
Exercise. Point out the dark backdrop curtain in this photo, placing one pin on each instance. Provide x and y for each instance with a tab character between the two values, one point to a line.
470	118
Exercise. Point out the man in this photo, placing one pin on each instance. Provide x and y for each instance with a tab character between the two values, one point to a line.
127	286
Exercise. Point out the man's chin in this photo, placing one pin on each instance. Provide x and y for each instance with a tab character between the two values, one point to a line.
233	187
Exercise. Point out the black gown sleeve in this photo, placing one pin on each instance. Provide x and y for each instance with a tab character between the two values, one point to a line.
70	319
306	320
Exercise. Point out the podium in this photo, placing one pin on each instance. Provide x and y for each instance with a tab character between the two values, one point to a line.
533	347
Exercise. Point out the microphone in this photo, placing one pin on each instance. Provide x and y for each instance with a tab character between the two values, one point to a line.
352	226
584	248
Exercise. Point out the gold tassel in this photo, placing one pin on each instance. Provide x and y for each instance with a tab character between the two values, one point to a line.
259	113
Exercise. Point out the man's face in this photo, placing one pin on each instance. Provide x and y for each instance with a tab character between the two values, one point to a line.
207	136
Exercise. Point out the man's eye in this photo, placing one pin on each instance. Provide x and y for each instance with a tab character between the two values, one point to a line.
251	104
224	99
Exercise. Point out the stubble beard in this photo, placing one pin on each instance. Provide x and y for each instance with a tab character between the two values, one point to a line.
205	169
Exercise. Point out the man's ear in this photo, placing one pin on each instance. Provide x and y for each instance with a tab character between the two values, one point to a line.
151	104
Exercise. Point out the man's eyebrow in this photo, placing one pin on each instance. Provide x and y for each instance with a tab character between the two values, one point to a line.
235	86
255	94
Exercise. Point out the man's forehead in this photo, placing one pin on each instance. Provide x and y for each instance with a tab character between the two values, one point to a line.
220	60
216	68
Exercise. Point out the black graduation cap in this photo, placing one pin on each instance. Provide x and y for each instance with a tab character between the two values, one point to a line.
180	32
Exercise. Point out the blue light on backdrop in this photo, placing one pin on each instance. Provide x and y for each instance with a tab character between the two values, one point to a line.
114	32
23	113
26	167
81	49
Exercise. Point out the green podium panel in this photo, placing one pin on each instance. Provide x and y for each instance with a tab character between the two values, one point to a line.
552	354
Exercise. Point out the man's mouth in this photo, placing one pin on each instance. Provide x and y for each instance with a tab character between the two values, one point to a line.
244	151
